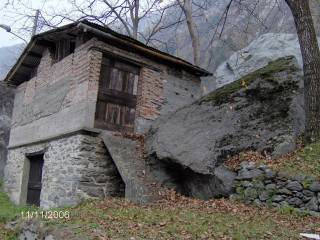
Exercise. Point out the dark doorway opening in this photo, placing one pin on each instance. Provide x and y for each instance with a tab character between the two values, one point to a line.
35	179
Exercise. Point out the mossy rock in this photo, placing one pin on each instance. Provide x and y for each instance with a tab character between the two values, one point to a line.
223	94
250	194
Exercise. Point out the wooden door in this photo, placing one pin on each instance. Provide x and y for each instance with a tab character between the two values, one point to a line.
35	180
117	96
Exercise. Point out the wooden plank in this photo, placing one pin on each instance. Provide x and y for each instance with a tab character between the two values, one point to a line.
118	82
117	97
100	110
112	127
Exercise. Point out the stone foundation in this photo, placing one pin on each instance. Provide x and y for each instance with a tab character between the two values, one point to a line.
75	168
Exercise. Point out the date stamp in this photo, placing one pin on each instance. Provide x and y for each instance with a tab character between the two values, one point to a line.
46	215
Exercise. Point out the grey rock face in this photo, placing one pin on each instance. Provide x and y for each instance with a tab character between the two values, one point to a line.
6	105
260	116
285	191
295	201
29	232
315	187
294	186
190	183
313	205
287	144
277	198
245	174
266	48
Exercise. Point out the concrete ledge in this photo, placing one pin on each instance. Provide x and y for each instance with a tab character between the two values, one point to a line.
84	130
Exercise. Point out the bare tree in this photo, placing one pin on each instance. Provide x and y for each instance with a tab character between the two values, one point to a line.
186	6
311	66
127	16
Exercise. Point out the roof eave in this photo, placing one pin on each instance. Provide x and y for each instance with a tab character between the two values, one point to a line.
121	38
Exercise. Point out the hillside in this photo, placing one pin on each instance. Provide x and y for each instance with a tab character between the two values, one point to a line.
8	56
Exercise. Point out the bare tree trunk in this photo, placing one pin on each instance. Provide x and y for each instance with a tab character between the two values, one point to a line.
186	7
311	66
135	19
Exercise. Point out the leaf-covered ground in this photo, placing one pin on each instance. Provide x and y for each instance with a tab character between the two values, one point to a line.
180	218
304	161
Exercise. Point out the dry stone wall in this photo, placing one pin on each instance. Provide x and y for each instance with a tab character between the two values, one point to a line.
263	186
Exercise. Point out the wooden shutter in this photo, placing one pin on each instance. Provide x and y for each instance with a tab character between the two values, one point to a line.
117	96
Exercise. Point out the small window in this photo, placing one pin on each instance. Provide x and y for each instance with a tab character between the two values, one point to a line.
63	49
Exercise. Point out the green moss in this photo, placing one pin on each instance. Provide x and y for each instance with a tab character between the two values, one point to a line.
222	94
307	182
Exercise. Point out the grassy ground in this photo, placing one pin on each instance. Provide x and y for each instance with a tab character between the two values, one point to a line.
175	218
306	161
179	217
8	212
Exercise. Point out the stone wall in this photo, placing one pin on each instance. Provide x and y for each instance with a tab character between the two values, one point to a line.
6	105
75	168
263	186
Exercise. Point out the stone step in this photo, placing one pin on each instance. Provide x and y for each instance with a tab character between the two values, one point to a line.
140	186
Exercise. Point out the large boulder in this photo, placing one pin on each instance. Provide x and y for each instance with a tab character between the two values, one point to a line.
6	105
262	111
257	54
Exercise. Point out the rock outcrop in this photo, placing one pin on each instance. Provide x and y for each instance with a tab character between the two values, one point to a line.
6	105
262	111
257	54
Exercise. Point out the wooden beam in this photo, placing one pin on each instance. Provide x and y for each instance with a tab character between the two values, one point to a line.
27	65
33	54
45	43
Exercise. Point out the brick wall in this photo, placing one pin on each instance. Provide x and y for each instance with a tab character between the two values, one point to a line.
62	96
150	94
160	90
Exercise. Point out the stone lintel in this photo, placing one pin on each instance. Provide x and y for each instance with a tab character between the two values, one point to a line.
86	131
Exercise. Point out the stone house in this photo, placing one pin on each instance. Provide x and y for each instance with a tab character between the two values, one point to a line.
75	88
